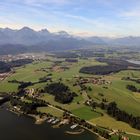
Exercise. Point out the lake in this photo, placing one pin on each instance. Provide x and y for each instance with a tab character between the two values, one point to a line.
13	127
134	62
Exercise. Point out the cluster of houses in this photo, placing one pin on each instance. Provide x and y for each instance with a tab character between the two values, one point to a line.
9	58
32	93
4	75
93	80
125	138
59	68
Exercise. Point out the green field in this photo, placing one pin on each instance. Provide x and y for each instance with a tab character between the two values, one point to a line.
85	113
116	91
51	111
111	123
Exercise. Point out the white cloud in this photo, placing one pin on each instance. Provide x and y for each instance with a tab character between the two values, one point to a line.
42	2
131	13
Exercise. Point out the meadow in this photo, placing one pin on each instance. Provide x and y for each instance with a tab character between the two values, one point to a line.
116	91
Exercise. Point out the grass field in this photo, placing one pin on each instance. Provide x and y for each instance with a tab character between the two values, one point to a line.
131	137
69	107
8	87
109	122
85	113
116	91
51	111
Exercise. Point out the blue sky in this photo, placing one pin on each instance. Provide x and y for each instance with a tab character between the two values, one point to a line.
80	17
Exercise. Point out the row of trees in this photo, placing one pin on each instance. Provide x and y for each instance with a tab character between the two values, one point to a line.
6	67
27	108
117	113
132	88
23	85
114	65
20	62
131	79
102	70
120	115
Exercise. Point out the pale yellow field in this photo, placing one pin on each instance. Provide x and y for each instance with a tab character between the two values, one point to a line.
109	122
51	111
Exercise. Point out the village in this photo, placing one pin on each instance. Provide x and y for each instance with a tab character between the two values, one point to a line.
92	80
33	56
3	76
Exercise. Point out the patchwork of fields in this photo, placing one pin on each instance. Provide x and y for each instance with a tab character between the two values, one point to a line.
116	91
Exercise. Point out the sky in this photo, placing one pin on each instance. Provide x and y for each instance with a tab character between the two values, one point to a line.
111	18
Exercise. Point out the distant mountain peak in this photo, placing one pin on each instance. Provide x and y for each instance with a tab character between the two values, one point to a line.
62	33
44	31
28	36
6	29
26	29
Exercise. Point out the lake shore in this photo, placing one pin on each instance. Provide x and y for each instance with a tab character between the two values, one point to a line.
28	130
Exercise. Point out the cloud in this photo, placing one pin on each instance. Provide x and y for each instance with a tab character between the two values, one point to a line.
131	14
42	2
107	17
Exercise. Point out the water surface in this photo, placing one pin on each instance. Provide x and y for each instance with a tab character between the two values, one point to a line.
134	62
13	127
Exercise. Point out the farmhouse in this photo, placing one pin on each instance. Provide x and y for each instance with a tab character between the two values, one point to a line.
4	75
93	80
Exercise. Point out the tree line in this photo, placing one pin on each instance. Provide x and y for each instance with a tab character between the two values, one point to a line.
114	65
7	66
28	108
133	88
120	115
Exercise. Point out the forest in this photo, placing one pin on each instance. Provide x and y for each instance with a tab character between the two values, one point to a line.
113	66
4	67
7	66
19	62
61	92
121	115
132	88
27	108
102	70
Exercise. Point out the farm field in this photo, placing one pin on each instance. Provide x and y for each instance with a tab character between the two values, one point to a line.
115	91
85	113
111	123
51	111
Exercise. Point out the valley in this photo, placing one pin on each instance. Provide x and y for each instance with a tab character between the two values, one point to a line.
88	88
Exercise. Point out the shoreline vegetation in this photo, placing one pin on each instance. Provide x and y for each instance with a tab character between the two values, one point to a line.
40	120
37	118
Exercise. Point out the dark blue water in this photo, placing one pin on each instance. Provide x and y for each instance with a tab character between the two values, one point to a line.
13	127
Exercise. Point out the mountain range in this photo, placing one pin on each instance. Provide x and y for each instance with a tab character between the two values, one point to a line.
27	39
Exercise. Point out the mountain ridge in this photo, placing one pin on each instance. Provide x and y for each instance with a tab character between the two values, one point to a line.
44	40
